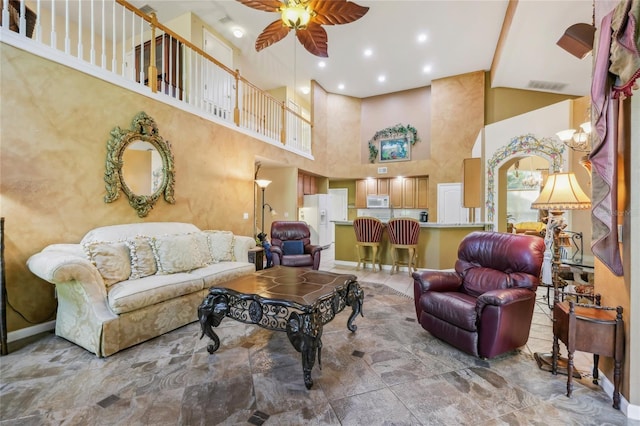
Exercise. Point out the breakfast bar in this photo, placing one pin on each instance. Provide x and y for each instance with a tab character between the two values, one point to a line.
437	245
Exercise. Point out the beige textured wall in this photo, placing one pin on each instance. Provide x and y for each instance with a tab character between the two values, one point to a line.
408	107
457	116
503	103
55	127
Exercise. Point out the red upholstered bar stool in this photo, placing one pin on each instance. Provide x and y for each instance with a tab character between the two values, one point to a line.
403	234
368	234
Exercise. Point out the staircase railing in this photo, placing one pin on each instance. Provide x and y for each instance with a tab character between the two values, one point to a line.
116	37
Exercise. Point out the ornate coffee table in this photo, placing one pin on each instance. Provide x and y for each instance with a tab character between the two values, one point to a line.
297	301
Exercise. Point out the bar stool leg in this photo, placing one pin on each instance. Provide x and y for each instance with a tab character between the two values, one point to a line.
394	262
374	250
410	265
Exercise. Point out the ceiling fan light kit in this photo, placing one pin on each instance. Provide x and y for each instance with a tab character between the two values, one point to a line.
296	15
306	17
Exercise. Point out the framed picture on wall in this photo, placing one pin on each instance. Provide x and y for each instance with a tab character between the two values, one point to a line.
395	149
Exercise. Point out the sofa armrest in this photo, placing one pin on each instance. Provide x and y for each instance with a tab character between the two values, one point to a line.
503	297
63	263
83	308
312	249
241	247
436	280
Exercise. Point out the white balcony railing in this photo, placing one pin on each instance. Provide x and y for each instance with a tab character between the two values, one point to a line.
114	36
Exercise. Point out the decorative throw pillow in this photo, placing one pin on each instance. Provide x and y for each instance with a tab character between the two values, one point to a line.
202	242
221	245
292	247
111	259
143	262
176	253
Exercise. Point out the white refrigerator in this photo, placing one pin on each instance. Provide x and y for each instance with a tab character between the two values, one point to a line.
316	213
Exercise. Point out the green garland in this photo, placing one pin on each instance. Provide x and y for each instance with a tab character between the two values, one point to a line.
408	131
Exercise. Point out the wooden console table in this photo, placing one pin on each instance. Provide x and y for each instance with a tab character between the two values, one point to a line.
589	328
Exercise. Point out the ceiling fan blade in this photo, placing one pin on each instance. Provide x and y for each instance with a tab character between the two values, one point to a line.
336	12
273	33
314	39
266	5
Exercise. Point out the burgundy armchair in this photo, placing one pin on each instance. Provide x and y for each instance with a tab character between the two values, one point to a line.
485	306
291	245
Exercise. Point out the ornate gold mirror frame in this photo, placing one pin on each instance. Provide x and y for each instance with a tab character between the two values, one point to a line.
143	129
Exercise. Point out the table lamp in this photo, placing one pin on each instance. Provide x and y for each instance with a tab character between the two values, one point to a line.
561	192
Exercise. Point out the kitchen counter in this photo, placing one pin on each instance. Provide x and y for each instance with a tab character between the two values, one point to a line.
426	224
437	244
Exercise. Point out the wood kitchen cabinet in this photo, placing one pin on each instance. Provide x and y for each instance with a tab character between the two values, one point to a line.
406	193
409	193
310	186
383	186
422	192
395	193
307	185
365	187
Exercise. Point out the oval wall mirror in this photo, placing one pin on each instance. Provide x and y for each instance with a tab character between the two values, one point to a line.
140	163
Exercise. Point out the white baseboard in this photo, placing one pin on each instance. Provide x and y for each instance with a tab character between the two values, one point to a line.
23	333
629	410
632	411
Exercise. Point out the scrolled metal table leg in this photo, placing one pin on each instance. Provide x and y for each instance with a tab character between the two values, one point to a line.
305	336
210	313
355	299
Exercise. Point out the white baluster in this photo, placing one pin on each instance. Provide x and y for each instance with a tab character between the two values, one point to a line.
67	39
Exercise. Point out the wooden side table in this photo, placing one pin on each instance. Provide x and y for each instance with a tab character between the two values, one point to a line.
256	256
589	328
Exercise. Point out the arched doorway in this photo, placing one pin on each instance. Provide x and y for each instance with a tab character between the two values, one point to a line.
520	184
518	147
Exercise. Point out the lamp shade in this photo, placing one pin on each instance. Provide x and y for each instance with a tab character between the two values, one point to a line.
263	183
562	192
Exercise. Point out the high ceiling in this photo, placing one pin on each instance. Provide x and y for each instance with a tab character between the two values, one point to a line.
462	37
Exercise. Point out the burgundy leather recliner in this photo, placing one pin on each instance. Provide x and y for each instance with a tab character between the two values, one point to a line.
286	252
485	306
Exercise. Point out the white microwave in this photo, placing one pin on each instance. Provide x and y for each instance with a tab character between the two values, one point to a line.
377	201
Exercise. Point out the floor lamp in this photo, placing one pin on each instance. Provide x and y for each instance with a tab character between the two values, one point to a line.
561	192
263	183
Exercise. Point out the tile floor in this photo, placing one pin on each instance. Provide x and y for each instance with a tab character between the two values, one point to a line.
389	372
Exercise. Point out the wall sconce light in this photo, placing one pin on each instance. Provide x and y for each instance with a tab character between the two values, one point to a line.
579	141
578	39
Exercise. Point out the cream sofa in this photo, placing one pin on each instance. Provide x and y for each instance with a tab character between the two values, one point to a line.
124	284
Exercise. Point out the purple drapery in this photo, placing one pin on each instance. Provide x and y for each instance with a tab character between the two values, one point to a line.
616	67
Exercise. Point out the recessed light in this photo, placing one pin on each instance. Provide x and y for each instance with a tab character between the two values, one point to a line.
237	32
322	64
305	90
341	86
381	78
422	38
368	52
426	69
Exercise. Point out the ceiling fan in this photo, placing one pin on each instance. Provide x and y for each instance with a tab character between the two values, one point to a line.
306	17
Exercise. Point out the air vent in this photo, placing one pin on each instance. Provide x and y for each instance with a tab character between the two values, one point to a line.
382	170
546	85
147	10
